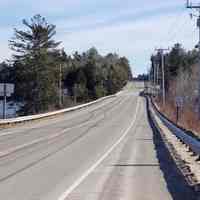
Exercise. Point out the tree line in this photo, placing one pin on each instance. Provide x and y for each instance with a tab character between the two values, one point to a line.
182	81
46	78
177	63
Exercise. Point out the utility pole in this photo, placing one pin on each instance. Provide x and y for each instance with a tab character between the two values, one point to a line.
161	51
60	85
157	77
157	73
154	71
149	81
197	8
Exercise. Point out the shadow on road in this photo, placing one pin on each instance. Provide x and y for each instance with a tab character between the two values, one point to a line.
176	183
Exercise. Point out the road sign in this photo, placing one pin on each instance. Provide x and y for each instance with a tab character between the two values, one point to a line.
9	89
65	91
179	101
7	94
1	88
179	105
6	90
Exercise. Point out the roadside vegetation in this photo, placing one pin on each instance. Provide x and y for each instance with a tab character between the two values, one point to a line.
182	80
46	78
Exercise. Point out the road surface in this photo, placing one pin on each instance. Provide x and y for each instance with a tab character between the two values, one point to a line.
102	152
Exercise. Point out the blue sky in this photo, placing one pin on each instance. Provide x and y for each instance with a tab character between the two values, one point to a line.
130	28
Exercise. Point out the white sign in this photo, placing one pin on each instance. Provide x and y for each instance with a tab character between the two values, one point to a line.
7	94
1	88
9	89
179	101
65	92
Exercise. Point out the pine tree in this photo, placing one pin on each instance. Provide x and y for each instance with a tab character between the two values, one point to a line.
36	65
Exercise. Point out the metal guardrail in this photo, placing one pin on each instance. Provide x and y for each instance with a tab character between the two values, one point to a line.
5	122
191	142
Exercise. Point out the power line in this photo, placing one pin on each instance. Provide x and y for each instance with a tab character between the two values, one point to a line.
175	26
178	29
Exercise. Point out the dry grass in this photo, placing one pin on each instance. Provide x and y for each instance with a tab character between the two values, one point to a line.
188	119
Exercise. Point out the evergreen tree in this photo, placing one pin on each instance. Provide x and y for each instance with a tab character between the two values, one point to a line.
36	65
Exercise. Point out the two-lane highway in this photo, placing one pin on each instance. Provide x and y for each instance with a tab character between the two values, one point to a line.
56	159
42	159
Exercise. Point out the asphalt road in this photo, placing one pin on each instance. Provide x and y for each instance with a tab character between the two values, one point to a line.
105	151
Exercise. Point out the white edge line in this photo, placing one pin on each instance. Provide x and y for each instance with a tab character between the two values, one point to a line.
93	167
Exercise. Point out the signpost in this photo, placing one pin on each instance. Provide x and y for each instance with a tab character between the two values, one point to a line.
6	90
179	104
